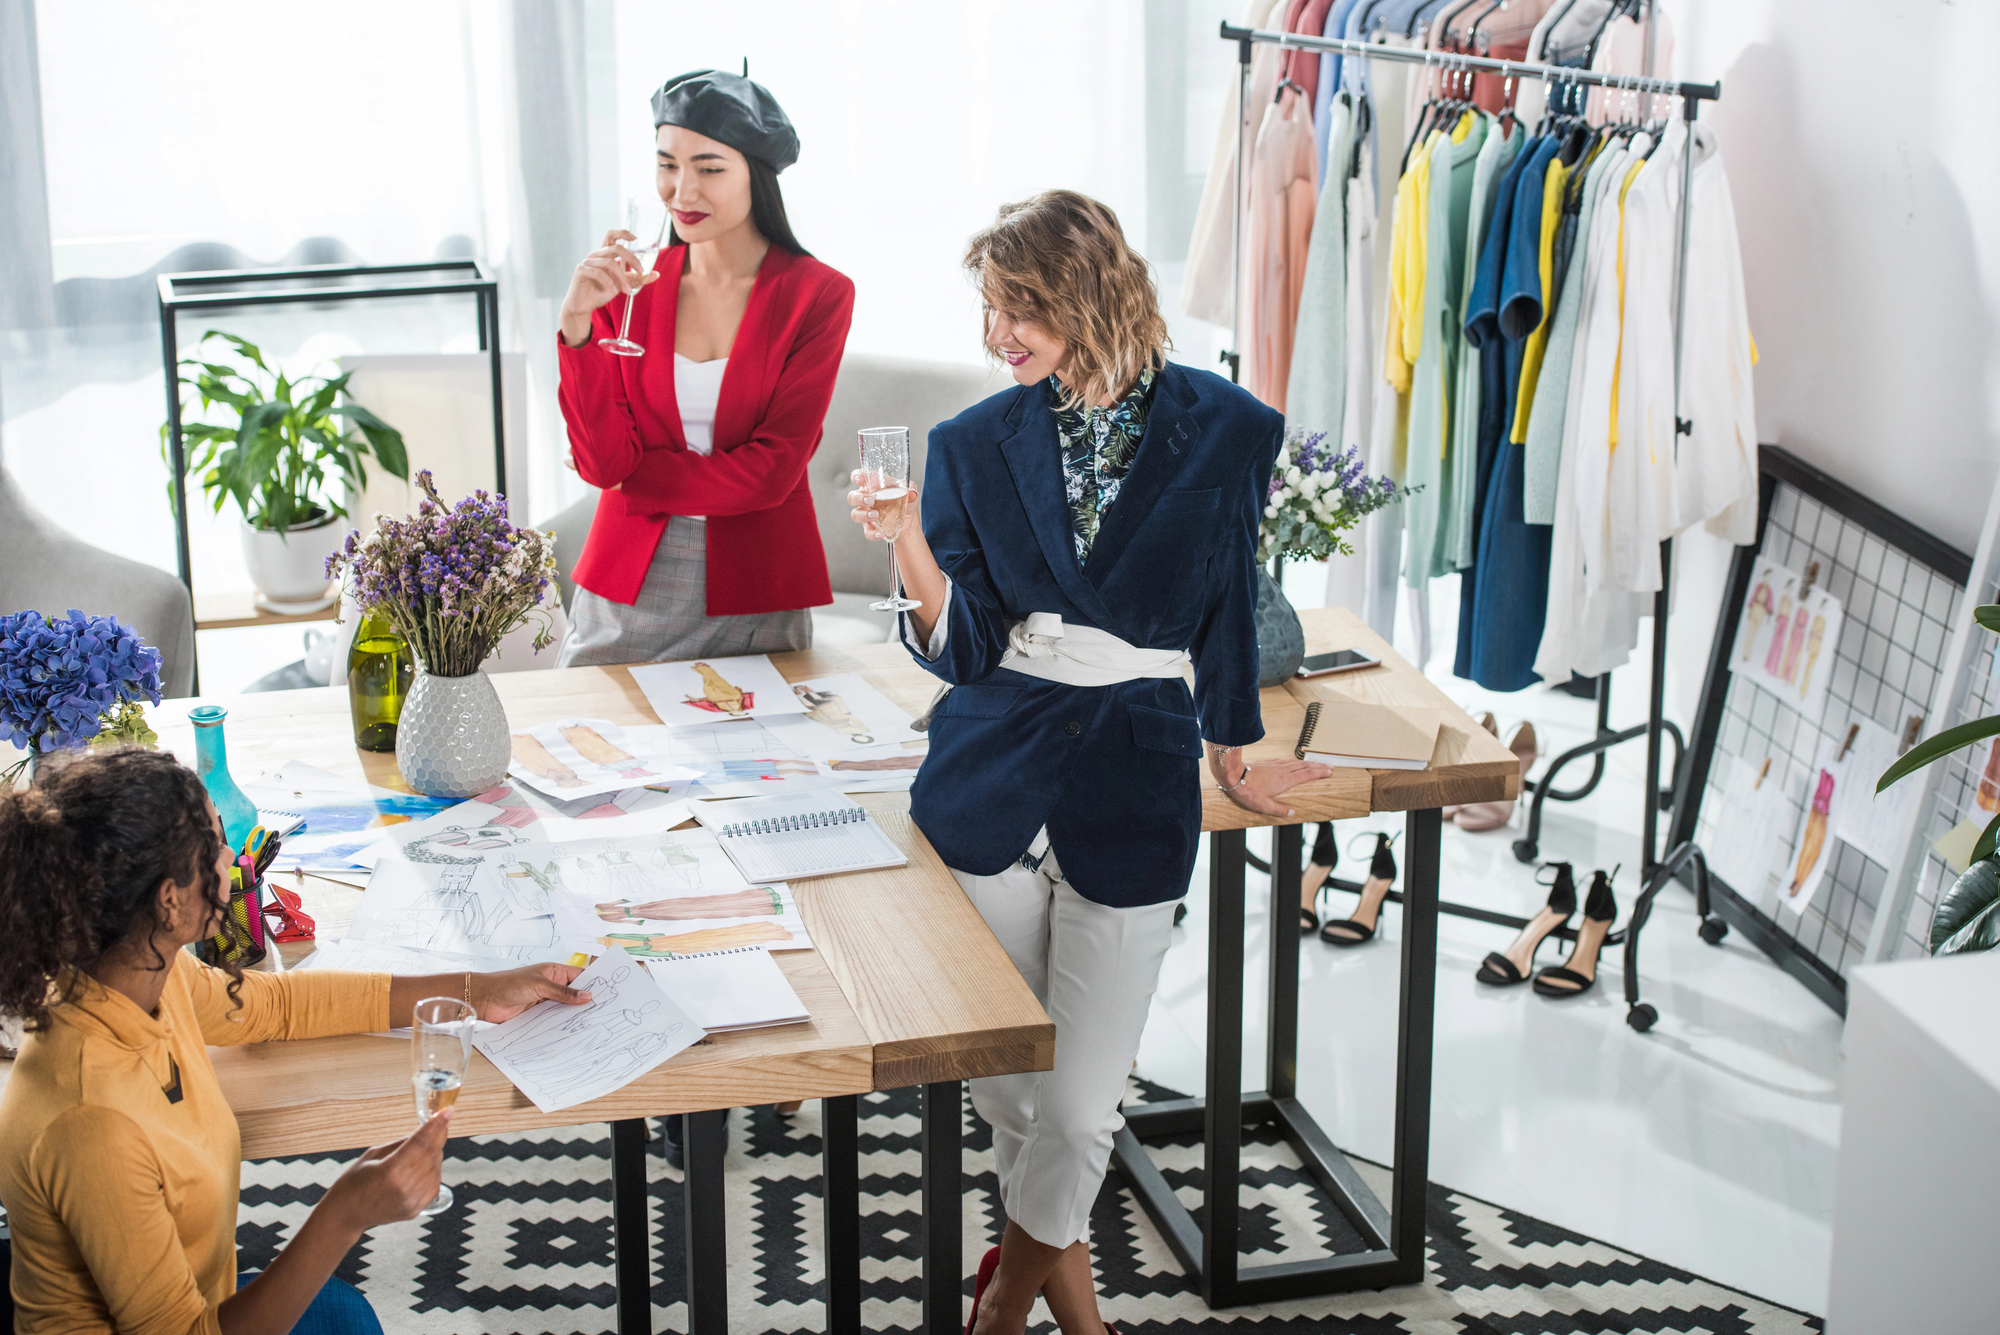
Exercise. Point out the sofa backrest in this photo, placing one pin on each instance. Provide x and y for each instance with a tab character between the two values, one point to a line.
882	391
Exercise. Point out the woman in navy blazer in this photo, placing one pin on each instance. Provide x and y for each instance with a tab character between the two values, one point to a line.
1120	493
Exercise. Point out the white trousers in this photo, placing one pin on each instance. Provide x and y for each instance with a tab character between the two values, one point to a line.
1094	969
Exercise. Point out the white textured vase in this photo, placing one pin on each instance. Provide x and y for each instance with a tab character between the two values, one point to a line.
452	738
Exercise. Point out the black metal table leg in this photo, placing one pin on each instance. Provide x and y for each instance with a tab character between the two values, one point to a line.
943	1202
1222	1121
631	1228
707	1137
1416	1016
1392	1236
840	1145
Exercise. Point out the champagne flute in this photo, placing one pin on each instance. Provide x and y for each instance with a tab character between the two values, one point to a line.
885	481
646	219
440	1053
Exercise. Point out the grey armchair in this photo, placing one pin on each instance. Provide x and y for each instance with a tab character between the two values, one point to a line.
45	567
871	391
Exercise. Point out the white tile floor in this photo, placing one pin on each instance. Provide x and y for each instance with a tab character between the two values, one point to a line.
1707	1144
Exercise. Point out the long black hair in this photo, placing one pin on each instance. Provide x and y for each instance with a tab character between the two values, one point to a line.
767	209
83	855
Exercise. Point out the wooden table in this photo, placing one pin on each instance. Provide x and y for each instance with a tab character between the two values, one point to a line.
906	986
1468	765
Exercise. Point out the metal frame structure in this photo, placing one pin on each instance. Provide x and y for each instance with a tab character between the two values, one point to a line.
1394	1237
1686	863
228	289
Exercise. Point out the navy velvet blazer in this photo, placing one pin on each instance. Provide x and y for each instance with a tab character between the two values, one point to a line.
1112	771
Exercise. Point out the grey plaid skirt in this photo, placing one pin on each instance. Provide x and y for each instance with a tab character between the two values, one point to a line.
670	623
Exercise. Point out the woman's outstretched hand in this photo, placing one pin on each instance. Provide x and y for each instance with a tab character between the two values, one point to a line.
1266	781
603	274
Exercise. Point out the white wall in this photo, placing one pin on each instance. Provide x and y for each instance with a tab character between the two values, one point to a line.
1857	138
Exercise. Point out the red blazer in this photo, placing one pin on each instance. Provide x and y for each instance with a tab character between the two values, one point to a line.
764	549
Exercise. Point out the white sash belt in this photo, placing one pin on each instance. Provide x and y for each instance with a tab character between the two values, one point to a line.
1042	646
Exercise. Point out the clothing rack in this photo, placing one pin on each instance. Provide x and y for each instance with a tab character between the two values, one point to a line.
1691	96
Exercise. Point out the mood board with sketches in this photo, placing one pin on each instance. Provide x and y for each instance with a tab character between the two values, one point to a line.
1818	683
575	857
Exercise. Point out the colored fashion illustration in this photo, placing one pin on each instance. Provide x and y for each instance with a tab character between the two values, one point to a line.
1815	836
1753	617
718	695
590	744
755	902
533	757
694	943
828	709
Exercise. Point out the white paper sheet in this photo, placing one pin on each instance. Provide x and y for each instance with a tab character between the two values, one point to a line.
343	816
1873	822
488	828
1748	840
730	989
736	759
673	893
843	714
583	757
471	910
716	688
560	1056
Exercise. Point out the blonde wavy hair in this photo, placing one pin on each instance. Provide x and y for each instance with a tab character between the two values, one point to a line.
1061	261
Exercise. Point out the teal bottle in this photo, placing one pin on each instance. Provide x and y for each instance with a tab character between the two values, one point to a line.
239	813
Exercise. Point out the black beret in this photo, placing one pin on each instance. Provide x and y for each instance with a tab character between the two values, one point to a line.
729	109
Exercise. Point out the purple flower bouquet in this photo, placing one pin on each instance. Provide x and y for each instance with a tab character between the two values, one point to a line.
452	581
1316	495
72	680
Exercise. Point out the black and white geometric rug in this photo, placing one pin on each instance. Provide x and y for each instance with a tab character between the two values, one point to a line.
527	1249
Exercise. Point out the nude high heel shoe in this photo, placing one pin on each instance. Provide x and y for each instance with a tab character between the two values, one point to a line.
1476	816
1492	725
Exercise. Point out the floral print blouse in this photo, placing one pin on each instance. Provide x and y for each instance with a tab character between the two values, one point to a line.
1098	446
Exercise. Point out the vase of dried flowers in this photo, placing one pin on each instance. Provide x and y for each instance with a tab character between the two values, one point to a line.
454	582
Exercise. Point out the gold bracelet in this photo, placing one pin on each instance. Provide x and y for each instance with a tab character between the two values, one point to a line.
468	989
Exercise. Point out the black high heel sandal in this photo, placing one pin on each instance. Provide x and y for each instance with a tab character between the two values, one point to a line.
1325	857
1496	970
1578	974
1349	931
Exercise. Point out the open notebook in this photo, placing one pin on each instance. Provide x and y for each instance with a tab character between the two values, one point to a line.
723	990
810	834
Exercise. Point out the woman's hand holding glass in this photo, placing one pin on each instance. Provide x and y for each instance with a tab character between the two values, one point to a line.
623	264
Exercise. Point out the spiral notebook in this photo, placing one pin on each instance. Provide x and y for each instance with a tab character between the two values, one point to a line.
810	834
739	988
1363	736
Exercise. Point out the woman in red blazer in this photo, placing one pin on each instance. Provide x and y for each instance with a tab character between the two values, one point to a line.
704	543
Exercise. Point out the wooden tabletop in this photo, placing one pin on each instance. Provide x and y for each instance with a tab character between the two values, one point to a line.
906	984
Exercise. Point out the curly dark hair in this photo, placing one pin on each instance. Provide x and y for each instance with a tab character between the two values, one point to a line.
83	855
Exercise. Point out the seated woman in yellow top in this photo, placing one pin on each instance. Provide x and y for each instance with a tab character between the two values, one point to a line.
119	1159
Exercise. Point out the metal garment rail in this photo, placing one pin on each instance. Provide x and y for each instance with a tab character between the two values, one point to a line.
1392	1239
1656	800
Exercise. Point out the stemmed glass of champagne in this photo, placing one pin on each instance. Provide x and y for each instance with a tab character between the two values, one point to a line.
885	481
440	1052
646	219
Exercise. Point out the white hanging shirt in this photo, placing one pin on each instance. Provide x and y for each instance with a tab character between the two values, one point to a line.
697	387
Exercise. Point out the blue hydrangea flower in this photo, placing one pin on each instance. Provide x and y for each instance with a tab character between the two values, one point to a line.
59	678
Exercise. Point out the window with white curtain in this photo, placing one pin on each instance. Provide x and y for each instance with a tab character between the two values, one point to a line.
176	134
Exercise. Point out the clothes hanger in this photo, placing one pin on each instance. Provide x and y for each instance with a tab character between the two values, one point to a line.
1423	116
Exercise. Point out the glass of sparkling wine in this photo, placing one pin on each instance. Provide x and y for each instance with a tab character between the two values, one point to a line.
885	480
646	219
440	1052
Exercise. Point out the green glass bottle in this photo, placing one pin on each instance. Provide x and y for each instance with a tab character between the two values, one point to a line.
380	668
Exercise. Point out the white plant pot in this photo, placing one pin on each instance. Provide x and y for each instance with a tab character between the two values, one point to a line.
289	568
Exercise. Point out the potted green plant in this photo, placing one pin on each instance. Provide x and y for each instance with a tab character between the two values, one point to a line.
292	457
1967	916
